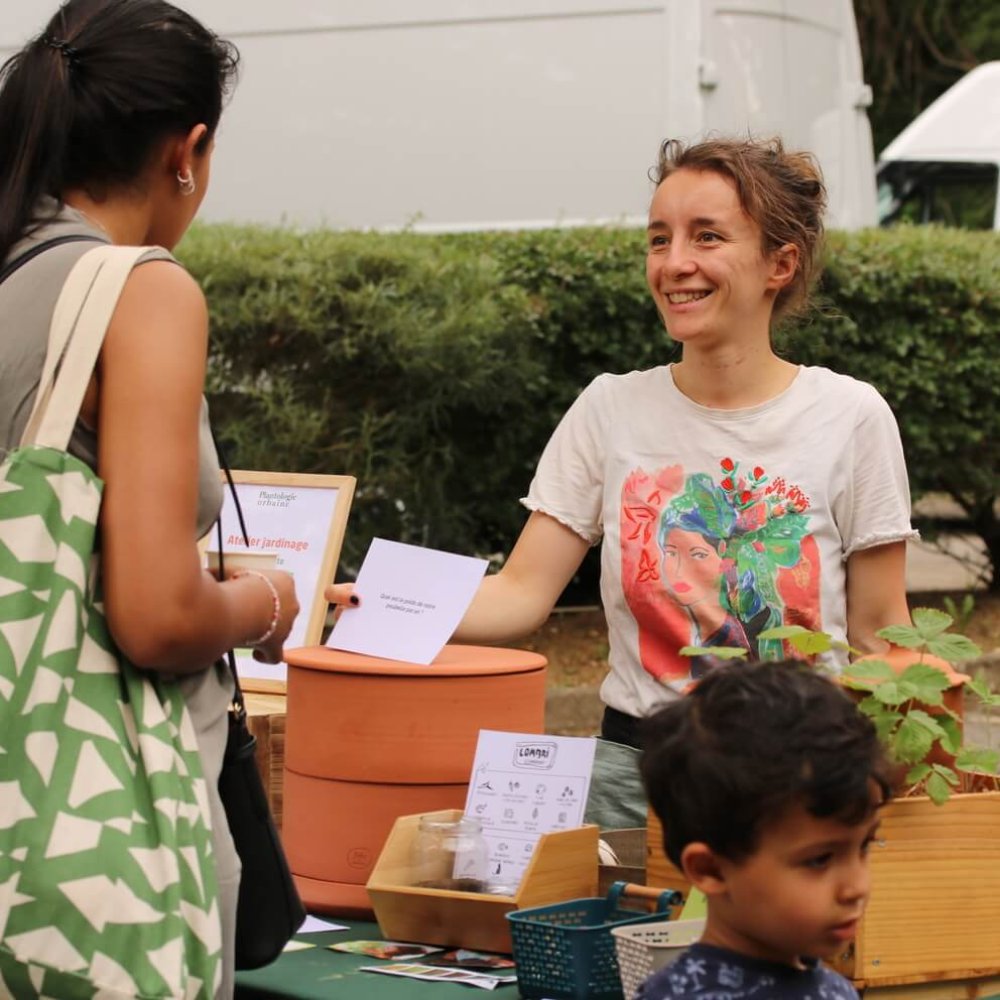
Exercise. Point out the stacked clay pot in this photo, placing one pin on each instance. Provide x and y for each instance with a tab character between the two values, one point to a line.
370	739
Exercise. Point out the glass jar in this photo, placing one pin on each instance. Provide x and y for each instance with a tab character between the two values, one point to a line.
450	854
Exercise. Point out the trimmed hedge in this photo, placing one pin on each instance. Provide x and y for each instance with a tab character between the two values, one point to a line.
434	368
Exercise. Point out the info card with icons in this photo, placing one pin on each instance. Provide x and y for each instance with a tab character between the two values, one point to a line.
522	786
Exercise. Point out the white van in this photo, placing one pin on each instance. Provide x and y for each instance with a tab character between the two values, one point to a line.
467	114
944	166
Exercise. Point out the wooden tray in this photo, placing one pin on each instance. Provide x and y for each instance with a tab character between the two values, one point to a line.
563	866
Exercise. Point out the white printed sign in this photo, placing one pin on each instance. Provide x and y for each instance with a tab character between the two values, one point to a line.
299	520
523	786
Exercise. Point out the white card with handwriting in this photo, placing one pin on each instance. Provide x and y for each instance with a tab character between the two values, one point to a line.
411	601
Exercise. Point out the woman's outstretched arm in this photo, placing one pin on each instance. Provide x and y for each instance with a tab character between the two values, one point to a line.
520	597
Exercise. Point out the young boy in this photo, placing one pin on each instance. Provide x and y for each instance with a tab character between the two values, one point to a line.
768	783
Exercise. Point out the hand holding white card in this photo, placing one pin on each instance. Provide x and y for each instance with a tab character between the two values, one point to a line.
411	601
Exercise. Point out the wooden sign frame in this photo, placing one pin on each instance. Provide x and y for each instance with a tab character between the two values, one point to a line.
321	504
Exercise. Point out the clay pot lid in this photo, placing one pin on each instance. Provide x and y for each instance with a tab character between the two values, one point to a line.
899	658
452	661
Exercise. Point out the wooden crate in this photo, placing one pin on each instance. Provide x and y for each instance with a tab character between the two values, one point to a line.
660	870
266	720
563	866
629	845
970	989
934	911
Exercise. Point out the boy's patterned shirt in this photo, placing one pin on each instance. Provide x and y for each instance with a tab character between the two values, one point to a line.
705	972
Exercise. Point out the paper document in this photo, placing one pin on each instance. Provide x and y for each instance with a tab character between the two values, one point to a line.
412	599
435	974
523	786
314	925
296	945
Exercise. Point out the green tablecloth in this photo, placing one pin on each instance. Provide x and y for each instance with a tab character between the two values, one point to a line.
320	974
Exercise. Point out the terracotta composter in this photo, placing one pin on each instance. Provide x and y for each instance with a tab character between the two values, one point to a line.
369	740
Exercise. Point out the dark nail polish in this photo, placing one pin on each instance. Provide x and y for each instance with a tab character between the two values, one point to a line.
355	600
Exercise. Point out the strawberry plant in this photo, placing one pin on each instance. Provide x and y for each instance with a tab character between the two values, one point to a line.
908	707
912	695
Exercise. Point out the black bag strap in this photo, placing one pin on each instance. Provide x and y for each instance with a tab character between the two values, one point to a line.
239	707
29	255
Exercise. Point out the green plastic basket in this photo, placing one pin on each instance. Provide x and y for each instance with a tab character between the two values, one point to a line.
566	952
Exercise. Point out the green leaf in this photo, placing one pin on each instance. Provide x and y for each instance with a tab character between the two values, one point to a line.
884	719
938	789
912	741
874	710
856	684
890	693
846	647
917	773
929	622
784	632
951	741
812	643
947	773
925	683
978	760
978	686
925	721
804	640
924	696
952	646
901	635
885	726
865	674
719	652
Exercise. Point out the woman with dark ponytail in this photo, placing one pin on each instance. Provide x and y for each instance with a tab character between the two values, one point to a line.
108	120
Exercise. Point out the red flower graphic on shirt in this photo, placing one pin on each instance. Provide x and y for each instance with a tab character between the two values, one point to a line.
763	557
648	569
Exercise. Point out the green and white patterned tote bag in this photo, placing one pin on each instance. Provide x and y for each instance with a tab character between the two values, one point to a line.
107	886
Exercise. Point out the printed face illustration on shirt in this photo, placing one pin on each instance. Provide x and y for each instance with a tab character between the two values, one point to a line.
691	567
715	561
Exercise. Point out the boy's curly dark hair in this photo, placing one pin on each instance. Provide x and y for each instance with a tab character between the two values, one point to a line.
749	741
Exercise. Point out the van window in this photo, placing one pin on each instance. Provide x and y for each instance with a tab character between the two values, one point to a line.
953	194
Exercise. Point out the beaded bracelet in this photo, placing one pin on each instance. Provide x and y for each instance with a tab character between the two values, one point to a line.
276	611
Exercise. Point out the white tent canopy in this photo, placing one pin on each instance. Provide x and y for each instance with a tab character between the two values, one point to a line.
945	165
963	124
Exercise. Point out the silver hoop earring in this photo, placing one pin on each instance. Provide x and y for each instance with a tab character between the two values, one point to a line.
186	183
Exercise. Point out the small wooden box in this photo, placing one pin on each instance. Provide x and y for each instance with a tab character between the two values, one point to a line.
563	866
266	720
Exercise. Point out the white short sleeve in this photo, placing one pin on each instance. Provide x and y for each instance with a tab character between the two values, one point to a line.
569	481
878	511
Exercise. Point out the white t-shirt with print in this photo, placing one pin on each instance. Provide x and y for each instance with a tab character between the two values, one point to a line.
720	524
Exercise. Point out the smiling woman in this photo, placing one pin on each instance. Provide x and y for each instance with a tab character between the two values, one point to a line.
734	490
705	266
